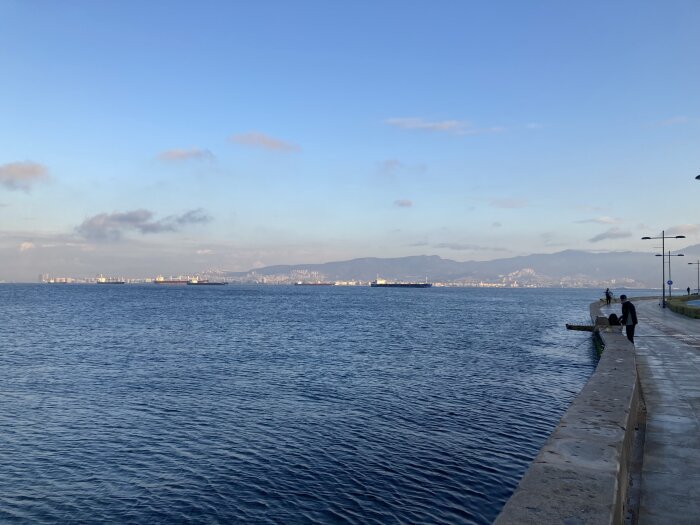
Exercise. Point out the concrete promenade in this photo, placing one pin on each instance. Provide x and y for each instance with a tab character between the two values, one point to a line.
667	348
628	448
580	476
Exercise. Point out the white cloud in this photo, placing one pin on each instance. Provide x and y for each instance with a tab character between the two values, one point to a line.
458	246
111	226
673	121
23	247
63	244
22	175
390	168
413	123
684	229
262	141
205	252
510	203
181	155
599	220
588	208
454	127
551	240
612	233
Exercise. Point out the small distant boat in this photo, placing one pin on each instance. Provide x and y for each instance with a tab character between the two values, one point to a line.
580	327
381	283
205	282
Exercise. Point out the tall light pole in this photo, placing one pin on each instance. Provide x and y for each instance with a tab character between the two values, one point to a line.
670	281
698	265
663	264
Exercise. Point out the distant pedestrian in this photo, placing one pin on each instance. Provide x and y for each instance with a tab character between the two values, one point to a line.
629	317
688	290
608	296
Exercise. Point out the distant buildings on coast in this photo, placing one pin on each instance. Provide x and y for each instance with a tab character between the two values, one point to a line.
525	278
48	279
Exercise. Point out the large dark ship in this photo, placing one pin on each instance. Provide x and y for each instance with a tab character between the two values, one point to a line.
381	283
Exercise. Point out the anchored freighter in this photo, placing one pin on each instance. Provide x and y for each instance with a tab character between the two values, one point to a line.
161	280
381	283
205	282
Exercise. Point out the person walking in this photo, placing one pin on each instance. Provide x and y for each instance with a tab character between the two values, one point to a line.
629	317
608	296
688	290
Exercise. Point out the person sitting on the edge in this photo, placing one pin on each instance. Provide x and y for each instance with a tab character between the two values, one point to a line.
629	317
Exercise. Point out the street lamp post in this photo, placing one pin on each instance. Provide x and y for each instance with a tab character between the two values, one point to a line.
698	265
670	280
663	264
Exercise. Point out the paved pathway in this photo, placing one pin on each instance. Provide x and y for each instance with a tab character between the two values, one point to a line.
668	362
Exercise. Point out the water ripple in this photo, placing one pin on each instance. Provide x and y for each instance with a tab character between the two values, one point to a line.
277	404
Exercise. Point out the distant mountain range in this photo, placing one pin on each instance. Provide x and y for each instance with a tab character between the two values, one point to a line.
565	268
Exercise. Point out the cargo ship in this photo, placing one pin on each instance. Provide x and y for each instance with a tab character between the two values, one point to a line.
381	283
205	282
161	280
108	280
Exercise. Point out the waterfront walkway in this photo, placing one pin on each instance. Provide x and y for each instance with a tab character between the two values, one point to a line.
668	363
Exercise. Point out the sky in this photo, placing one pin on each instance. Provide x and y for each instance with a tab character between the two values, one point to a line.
145	138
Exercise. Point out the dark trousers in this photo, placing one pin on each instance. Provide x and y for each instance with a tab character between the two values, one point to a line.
629	330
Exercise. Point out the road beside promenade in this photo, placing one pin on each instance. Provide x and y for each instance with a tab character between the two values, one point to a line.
668	363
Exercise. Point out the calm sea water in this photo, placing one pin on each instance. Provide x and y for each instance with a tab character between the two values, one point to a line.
278	404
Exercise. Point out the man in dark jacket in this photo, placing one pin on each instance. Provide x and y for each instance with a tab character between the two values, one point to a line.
629	317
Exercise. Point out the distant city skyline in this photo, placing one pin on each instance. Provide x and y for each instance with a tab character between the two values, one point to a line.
161	138
565	269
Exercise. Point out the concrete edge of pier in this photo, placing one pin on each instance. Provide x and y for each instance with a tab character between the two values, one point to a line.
581	474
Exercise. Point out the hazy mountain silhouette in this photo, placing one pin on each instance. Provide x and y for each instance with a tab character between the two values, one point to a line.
640	269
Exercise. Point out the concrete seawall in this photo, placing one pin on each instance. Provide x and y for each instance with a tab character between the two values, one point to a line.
581	475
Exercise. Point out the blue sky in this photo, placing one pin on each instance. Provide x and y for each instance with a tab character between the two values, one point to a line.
168	137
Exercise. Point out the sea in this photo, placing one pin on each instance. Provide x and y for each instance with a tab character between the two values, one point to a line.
279	404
